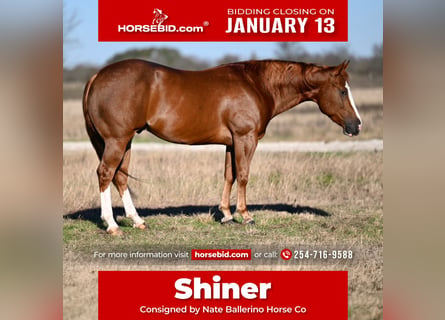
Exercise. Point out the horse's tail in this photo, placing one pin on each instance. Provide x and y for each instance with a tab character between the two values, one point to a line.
95	137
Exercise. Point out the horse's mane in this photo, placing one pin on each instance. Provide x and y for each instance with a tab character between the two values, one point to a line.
276	73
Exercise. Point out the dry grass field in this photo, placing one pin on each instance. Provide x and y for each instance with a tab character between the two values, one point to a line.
299	200
320	200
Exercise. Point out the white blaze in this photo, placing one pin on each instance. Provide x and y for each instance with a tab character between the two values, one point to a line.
351	100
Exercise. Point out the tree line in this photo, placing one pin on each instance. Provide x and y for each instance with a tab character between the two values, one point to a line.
365	71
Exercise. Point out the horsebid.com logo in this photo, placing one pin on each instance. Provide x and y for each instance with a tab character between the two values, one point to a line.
157	25
159	17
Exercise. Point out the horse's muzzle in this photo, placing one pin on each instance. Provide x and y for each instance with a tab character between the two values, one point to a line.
352	128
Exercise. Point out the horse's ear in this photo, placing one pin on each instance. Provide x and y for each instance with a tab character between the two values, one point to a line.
341	67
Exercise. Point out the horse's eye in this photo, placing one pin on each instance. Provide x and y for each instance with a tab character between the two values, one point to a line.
344	92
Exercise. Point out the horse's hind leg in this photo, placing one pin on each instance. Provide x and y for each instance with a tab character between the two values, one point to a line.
111	158
120	181
229	178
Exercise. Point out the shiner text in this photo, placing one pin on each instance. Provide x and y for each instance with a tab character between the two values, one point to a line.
188	288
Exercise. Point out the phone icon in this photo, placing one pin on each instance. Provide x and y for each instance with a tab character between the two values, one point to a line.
286	254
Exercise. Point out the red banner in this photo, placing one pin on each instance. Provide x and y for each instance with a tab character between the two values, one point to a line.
230	20
272	295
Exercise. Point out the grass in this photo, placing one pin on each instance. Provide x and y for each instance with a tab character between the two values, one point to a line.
201	230
298	200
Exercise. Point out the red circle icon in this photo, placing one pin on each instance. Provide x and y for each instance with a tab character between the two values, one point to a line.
286	254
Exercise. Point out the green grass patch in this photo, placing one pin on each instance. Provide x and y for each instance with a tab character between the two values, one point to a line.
202	230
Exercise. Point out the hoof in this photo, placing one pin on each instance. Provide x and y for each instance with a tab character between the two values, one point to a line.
249	222
141	226
115	231
226	220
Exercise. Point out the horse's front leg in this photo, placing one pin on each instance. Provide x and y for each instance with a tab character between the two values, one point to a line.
245	146
229	178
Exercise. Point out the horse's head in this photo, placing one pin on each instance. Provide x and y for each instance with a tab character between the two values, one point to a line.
334	97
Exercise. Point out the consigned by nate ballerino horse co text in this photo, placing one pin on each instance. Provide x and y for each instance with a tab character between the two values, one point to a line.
197	289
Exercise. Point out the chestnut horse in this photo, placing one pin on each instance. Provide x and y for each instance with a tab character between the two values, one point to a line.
231	105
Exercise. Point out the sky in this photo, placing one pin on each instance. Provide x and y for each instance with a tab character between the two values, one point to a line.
365	31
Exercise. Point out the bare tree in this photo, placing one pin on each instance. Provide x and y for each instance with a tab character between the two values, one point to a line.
228	58
290	51
70	22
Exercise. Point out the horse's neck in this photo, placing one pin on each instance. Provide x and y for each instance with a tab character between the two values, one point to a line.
288	98
286	94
